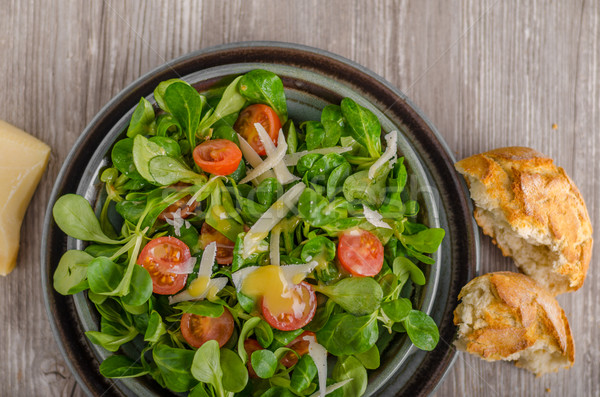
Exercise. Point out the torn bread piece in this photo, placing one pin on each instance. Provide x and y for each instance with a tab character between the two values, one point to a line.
533	212
508	316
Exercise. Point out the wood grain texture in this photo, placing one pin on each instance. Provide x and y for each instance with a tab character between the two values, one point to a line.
488	73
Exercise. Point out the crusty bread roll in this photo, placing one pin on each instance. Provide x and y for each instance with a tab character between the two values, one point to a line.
533	212
508	316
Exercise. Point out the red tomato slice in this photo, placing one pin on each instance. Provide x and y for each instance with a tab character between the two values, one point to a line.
161	257
197	330
225	246
290	321
251	345
186	210
300	346
218	156
264	115
360	252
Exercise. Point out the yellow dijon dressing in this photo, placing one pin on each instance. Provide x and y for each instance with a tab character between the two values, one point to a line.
198	286
269	283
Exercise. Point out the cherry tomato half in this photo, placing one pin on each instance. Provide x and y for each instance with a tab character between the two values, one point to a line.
163	257
306	299
251	345
197	330
300	346
218	156
186	210
264	115
360	252
225	246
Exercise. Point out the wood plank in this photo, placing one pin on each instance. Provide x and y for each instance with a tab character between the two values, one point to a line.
487	73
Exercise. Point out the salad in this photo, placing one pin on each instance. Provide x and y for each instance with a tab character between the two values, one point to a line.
243	253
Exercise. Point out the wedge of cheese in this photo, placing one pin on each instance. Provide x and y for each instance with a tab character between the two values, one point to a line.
23	160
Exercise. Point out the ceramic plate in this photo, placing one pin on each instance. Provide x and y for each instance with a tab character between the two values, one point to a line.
312	78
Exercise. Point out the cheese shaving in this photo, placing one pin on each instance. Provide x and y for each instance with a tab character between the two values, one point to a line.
270	162
319	355
208	260
291	272
271	217
213	286
283	175
298	306
253	158
374	218
186	267
176	220
332	388
390	153
274	246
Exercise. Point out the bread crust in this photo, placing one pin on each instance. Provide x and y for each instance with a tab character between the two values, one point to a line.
537	198
520	314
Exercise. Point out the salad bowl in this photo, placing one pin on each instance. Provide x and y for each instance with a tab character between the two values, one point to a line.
312	79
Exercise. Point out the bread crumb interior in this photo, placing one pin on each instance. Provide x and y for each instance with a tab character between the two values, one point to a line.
471	311
532	253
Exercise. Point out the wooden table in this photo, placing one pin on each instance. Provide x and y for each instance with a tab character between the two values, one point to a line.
488	73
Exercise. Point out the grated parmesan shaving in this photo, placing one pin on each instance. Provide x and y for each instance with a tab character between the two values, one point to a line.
374	218
205	270
390	153
253	158
186	267
319	355
283	175
274	246
271	217
332	388
270	162
291	271
208	260
298	305
176	220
